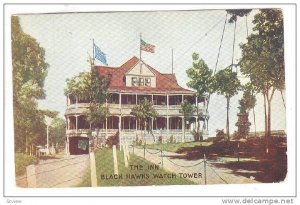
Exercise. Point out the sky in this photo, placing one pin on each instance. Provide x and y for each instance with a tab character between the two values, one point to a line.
67	40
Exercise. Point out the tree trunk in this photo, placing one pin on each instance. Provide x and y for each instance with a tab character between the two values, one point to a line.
199	136
269	122
144	131
254	121
266	124
26	143
183	138
282	98
198	131
227	119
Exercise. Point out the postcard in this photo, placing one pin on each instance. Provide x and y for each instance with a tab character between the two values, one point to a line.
142	98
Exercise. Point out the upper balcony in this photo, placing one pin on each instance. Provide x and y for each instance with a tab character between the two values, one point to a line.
164	104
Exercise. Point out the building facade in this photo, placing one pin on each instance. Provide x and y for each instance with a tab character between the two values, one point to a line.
129	84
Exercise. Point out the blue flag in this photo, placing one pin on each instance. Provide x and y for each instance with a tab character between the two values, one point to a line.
101	56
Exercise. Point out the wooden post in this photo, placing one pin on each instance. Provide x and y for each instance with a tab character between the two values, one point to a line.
125	156
204	158
116	170
93	170
127	152
162	160
31	176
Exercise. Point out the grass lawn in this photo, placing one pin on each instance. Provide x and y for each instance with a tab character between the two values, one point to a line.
104	167
174	147
22	161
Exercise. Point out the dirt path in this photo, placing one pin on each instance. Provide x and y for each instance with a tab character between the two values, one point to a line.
68	171
192	169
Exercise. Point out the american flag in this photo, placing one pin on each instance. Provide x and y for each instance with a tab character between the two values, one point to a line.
147	47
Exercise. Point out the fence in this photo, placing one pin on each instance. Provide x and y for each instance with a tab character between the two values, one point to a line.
64	172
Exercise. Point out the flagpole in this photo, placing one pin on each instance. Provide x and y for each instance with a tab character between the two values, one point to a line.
93	50
140	47
172	61
140	54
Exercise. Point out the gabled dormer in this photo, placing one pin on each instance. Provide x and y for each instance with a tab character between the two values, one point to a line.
140	76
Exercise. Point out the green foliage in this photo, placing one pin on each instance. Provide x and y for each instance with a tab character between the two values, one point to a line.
263	58
237	12
187	110
29	72
113	140
88	86
200	75
22	161
226	83
97	113
263	55
248	100
144	111
57	131
92	88
79	85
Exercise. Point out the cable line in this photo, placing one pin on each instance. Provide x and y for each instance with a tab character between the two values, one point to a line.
221	43
202	37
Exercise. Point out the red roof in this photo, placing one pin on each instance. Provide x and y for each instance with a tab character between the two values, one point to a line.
165	83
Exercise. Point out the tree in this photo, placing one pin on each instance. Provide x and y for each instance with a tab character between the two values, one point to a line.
227	84
187	110
91	87
250	100
57	132
96	115
29	72
143	112
237	13
263	59
201	81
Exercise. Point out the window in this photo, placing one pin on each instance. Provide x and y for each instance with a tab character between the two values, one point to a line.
148	82
141	81
134	81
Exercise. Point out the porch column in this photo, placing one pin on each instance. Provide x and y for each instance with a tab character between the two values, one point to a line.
152	98
67	123
76	124
76	101
183	129
120	98
67	150
182	98
105	128
136	102
196	125
167	115
120	118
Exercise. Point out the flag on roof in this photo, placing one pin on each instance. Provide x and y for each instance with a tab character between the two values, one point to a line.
147	47
101	56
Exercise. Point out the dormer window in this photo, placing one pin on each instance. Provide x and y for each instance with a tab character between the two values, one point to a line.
141	81
148	82
134	81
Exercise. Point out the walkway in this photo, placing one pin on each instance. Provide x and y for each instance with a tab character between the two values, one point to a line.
192	169
67	171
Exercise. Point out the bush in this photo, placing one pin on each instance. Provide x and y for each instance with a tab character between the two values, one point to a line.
113	140
22	161
172	139
196	135
160	139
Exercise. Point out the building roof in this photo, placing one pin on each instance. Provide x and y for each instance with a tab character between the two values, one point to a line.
165	83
